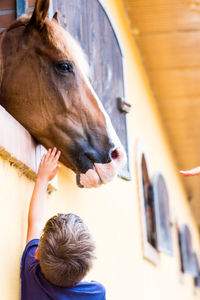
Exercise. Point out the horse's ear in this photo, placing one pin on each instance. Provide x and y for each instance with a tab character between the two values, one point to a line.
40	13
55	18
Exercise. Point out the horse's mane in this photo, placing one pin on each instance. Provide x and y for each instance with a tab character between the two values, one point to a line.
22	21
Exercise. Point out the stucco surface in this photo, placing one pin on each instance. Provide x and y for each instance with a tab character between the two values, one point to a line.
112	211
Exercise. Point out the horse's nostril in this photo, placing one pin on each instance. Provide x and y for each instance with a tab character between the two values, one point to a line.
114	154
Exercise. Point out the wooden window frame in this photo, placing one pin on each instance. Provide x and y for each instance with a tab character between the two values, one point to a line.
124	175
149	252
102	3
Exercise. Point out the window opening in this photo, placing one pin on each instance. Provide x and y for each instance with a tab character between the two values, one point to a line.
163	222
149	206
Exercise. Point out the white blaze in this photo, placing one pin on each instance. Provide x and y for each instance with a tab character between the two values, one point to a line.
102	173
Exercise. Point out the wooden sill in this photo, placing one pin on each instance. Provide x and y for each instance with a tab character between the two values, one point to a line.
19	148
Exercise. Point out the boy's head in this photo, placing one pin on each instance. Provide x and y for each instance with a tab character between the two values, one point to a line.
66	250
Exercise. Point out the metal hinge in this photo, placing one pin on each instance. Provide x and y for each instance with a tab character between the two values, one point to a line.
123	105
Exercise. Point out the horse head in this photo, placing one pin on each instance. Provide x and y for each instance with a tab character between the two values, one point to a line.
45	86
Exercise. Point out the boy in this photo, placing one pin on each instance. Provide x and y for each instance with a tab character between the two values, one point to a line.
54	264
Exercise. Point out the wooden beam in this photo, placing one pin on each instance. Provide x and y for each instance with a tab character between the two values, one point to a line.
170	50
175	83
163	15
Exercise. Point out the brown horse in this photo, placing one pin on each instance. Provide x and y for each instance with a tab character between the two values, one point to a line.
44	85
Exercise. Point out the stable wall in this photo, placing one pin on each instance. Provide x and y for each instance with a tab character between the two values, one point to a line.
112	211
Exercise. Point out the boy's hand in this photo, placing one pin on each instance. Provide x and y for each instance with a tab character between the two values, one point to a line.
47	170
48	167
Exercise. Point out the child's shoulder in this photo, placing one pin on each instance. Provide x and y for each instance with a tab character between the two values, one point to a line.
92	287
98	285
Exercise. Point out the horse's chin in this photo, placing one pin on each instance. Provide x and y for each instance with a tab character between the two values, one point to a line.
92	178
89	180
100	174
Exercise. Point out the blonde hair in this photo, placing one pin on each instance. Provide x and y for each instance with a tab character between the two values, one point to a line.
66	250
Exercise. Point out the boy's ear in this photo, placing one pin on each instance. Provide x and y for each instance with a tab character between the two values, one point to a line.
37	254
56	18
40	13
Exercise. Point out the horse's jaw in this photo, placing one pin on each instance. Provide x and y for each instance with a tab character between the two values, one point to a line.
103	173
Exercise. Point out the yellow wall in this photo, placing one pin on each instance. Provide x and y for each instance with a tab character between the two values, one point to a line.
112	211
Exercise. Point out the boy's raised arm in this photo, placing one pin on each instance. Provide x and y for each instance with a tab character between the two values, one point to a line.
47	170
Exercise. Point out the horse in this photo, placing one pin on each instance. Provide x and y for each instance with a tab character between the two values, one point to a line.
44	84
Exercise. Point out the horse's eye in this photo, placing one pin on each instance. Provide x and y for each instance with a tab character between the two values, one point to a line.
64	67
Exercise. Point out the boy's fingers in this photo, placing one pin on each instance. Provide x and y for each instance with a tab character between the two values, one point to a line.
56	158
47	154
53	153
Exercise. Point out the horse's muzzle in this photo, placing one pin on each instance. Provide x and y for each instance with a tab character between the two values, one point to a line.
102	173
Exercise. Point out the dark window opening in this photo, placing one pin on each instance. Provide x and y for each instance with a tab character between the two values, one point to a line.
180	251
197	275
189	260
149	206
